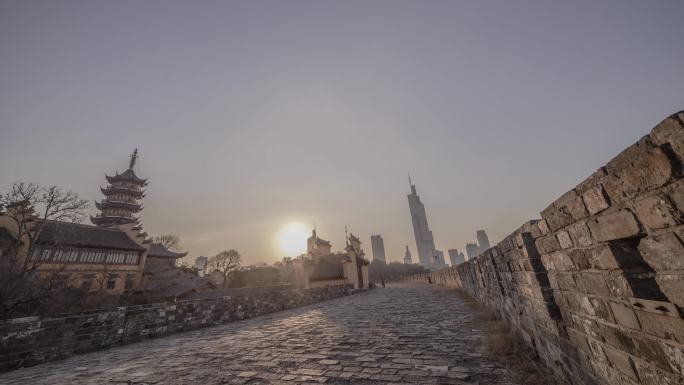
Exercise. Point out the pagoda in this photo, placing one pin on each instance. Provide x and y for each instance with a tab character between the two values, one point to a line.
122	198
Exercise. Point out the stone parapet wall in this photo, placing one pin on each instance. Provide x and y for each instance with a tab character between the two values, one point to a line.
596	285
32	340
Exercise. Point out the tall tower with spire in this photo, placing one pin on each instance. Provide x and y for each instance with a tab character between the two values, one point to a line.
122	197
407	256
425	244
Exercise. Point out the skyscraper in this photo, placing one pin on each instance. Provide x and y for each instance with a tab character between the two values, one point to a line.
472	250
483	241
425	244
407	257
455	257
378	247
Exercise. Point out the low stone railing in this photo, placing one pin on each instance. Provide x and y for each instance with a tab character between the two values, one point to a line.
33	340
596	286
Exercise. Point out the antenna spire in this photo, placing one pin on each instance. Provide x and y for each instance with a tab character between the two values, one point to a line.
410	183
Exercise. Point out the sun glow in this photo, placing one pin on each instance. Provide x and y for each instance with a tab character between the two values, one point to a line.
292	239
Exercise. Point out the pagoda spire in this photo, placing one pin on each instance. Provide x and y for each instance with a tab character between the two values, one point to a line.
134	157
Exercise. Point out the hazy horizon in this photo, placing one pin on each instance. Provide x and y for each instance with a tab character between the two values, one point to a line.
252	115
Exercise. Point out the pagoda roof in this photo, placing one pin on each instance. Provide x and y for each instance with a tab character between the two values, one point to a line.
102	220
135	207
157	250
126	190
58	233
128	175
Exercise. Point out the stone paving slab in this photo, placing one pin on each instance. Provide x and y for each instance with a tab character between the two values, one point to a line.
397	335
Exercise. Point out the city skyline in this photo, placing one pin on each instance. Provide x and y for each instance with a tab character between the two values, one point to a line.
237	108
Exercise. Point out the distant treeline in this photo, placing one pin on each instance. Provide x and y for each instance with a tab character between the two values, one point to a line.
379	270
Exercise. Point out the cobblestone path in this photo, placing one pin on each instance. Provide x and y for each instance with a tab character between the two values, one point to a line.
397	335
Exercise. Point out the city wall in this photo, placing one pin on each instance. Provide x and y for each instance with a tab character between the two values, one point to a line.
32	340
596	286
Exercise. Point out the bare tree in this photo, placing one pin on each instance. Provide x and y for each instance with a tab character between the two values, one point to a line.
226	263
27	207
170	241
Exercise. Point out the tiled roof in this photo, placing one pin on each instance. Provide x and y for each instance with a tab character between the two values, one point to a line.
127	175
158	250
78	235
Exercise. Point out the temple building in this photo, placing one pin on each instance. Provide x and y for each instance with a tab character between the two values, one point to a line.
122	197
320	267
112	255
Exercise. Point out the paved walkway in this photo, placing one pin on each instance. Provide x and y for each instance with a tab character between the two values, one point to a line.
397	335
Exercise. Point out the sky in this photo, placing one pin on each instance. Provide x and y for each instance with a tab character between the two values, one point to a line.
252	115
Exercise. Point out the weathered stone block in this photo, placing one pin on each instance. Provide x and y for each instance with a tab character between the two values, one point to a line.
663	252
596	199
621	361
652	375
624	315
670	133
564	239
564	211
670	328
592	283
580	258
560	261
580	235
547	244
672	285
639	168
616	225
656	212
615	256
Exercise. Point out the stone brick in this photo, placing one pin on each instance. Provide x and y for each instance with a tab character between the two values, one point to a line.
639	168
580	258
565	210
670	328
672	285
670	133
580	235
663	252
547	244
624	315
676	195
656	212
592	283
621	361
615	256
560	261
616	225
596	199
652	375
564	239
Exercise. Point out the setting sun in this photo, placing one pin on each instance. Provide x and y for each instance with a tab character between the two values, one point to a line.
292	239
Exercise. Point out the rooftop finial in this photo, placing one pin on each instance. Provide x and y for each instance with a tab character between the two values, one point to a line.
131	164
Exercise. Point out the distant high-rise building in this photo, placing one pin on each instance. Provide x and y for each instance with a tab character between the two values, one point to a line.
455	257
439	258
425	244
378	247
483	241
407	257
472	249
201	265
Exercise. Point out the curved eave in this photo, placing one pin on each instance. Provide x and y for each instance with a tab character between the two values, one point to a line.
171	255
118	177
116	204
113	190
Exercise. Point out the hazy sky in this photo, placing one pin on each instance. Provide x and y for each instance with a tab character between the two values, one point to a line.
250	115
